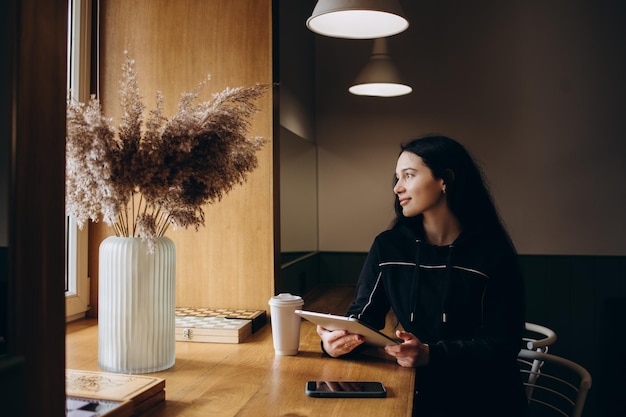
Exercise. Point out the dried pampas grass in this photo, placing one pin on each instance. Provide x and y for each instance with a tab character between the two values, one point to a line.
155	173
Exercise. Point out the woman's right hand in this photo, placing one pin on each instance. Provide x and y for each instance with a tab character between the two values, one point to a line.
338	342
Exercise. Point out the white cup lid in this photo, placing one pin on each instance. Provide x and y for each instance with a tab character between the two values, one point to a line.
286	299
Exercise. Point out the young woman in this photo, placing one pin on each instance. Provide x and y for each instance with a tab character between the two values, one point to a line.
448	270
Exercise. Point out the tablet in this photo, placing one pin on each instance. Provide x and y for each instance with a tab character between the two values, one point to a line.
351	324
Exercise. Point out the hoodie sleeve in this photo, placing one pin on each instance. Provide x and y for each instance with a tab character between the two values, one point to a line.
370	303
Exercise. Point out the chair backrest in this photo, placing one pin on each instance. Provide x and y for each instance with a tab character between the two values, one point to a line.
559	388
538	337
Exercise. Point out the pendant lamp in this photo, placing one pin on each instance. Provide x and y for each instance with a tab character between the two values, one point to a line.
379	77
357	19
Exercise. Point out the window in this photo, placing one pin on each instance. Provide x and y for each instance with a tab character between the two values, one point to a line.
78	76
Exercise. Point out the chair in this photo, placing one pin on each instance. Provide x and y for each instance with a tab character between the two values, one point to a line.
559	388
537	338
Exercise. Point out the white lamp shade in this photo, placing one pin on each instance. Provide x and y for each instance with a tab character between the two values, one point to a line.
380	90
380	77
357	19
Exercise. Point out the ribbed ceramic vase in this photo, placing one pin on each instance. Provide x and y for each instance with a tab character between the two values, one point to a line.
136	305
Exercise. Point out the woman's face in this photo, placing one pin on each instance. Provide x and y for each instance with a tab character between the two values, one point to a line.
417	190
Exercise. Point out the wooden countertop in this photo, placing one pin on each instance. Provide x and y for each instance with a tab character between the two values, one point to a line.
248	379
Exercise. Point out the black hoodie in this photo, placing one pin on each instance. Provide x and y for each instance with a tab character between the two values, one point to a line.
466	301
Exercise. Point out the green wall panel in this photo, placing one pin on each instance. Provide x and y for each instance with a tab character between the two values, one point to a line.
582	298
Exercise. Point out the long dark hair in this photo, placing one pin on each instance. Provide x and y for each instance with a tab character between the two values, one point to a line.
467	193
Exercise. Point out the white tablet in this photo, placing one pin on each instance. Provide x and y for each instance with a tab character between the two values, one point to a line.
351	324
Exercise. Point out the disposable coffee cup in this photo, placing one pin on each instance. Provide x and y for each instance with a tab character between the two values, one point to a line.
285	323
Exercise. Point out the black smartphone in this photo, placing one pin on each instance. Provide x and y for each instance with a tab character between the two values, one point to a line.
353	389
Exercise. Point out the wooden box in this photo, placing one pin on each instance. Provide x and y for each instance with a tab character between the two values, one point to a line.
212	329
258	317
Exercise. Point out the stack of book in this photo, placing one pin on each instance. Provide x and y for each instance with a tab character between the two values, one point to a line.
91	394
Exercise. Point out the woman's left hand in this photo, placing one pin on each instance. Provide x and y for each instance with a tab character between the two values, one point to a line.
411	353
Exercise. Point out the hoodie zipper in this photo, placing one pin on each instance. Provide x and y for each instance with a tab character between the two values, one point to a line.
416	280
415	290
447	284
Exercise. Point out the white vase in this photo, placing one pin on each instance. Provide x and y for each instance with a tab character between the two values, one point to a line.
136	305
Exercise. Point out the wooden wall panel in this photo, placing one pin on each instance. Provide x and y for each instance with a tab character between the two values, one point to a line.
176	44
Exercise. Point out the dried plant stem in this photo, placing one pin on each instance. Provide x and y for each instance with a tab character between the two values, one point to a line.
128	219
163	223
136	213
120	224
124	219
118	231
127	223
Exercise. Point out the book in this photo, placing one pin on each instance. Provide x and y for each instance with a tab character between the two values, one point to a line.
149	403
89	407
135	394
258	317
212	329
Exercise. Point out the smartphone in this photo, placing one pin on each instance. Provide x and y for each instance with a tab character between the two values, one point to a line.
352	389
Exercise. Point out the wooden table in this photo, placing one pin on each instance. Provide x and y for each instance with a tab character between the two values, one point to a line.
248	379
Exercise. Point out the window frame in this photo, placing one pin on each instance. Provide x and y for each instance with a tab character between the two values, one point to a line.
79	72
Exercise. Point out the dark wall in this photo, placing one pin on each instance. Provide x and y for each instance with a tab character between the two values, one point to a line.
299	273
4	281
534	89
5	134
582	298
